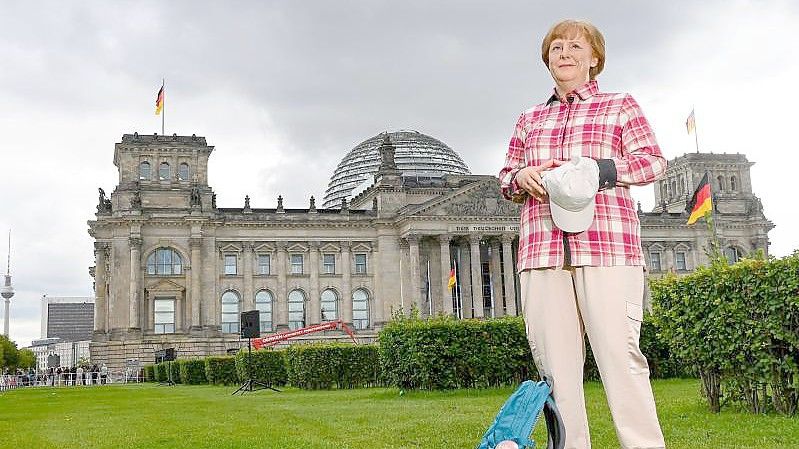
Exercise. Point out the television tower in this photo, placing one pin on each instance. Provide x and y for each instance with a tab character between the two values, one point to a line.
7	291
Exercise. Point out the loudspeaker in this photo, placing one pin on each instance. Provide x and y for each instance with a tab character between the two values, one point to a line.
251	324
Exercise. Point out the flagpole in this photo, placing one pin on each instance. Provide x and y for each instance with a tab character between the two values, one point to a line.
696	131
163	107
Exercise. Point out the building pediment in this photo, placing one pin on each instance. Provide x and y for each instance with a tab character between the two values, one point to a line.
330	248
165	286
264	248
297	248
361	248
229	248
481	198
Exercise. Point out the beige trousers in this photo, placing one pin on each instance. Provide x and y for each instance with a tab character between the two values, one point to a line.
560	306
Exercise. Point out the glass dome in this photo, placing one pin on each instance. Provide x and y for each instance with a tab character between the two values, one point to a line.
416	155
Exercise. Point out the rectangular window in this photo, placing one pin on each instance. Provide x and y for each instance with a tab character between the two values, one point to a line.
230	264
329	263
679	261
654	259
296	264
164	316
360	264
264	262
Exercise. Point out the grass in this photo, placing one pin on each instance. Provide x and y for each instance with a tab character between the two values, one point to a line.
151	416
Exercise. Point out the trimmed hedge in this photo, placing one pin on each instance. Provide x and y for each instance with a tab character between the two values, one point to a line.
149	373
173	371
444	353
324	365
221	370
192	371
266	365
159	372
738	325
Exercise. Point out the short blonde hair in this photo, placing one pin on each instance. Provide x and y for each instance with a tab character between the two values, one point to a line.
571	28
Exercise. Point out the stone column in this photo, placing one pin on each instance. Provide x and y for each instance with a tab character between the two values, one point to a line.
477	279
509	286
249	296
446	294
194	302
416	290
135	268
100	299
314	303
496	279
668	252
346	283
465	278
281	302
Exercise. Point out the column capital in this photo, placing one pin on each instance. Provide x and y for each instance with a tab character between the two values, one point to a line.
281	246
474	238
135	242
345	245
412	239
444	237
508	238
100	247
195	242
246	246
314	244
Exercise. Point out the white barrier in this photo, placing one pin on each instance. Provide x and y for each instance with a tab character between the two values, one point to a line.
87	379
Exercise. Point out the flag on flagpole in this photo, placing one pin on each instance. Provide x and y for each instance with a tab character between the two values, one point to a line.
159	101
690	124
451	282
701	202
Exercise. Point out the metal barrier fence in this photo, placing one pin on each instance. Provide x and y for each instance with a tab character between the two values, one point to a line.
87	379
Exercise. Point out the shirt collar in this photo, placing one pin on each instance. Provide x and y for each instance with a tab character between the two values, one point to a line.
583	92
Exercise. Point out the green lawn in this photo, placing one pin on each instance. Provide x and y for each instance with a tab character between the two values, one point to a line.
151	416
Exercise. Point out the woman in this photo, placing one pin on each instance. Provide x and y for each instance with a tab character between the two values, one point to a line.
592	281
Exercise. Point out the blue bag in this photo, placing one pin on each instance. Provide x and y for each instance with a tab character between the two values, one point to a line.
517	417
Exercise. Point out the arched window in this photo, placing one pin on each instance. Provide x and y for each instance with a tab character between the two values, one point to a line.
263	302
733	184
296	309
144	171
164	262
183	171
230	312
720	179
360	309
163	171
329	305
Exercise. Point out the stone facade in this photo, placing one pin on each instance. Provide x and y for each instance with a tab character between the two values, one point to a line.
174	270
740	224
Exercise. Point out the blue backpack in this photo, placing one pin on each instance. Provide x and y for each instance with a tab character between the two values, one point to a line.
517	417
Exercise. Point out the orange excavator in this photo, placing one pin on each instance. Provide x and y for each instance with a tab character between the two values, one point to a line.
272	340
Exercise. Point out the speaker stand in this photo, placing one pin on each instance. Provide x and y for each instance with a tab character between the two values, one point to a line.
251	384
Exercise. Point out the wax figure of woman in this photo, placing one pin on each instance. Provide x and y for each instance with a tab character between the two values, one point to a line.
590	281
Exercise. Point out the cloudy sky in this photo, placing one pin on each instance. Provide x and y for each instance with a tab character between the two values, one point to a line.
284	89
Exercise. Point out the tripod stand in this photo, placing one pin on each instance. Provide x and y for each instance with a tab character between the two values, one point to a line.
251	384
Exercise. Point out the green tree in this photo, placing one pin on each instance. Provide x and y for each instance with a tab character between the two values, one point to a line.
9	351
26	359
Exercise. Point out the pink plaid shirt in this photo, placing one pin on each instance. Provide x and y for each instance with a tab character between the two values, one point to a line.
600	126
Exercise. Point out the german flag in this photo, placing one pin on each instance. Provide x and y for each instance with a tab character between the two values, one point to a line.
159	101
701	202
451	283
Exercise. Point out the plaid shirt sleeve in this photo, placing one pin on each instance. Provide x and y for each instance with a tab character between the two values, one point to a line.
641	161
514	161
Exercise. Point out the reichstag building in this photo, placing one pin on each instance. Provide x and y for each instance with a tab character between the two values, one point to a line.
173	269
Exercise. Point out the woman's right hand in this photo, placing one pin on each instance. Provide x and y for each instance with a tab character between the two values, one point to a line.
529	179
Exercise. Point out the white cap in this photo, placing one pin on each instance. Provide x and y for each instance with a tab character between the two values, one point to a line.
571	189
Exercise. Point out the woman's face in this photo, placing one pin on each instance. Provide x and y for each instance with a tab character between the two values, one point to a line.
570	60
